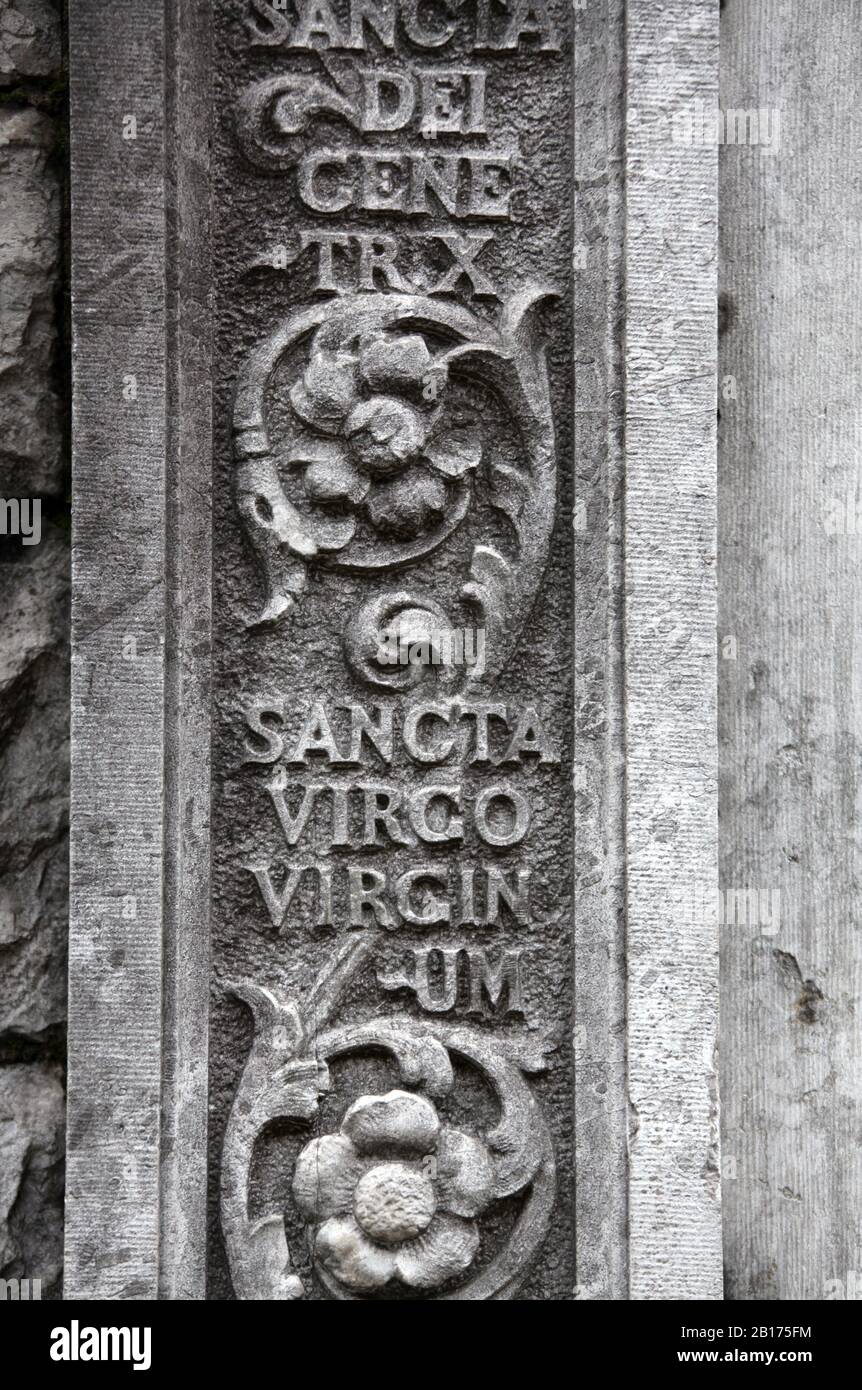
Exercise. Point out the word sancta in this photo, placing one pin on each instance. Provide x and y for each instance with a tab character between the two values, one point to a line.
399	181
427	895
448	977
494	26
431	733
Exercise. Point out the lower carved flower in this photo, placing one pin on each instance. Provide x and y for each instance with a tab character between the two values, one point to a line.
445	1249
393	1195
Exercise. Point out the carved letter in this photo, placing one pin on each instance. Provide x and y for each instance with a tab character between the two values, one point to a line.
435	911
316	18
377	251
464	250
493	979
412	727
492	834
309	167
417	32
529	737
379	15
274	742
276	903
292	826
316	736
366	886
374	118
419	805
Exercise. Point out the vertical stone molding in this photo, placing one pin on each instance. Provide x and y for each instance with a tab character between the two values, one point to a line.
790	440
670	652
120	442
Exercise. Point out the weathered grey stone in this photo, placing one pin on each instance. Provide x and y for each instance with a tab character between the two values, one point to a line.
30	40
34	724
32	1126
31	429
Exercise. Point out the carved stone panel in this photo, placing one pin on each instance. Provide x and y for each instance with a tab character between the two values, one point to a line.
390	1029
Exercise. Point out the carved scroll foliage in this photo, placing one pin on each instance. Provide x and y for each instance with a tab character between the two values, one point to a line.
276	108
395	1196
387	479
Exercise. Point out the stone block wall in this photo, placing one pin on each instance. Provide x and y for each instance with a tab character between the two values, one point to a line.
34	619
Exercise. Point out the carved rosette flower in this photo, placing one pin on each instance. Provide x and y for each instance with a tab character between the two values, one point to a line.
393	1195
371	437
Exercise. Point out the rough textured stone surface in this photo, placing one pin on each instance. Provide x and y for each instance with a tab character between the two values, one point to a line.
34	722
32	1121
30	40
31	429
34	682
298	993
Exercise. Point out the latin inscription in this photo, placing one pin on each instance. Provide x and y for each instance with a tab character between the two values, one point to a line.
341	817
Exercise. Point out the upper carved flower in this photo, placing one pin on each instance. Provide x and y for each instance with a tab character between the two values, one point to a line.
393	1195
387	453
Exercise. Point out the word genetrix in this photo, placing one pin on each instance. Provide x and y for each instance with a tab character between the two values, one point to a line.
399	182
494	27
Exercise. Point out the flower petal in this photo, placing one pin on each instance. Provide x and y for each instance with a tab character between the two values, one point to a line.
388	364
454	452
408	504
331	533
397	1120
349	1256
327	390
335	482
384	434
325	1176
446	1249
465	1173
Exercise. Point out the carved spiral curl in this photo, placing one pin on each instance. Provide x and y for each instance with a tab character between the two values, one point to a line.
389	625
